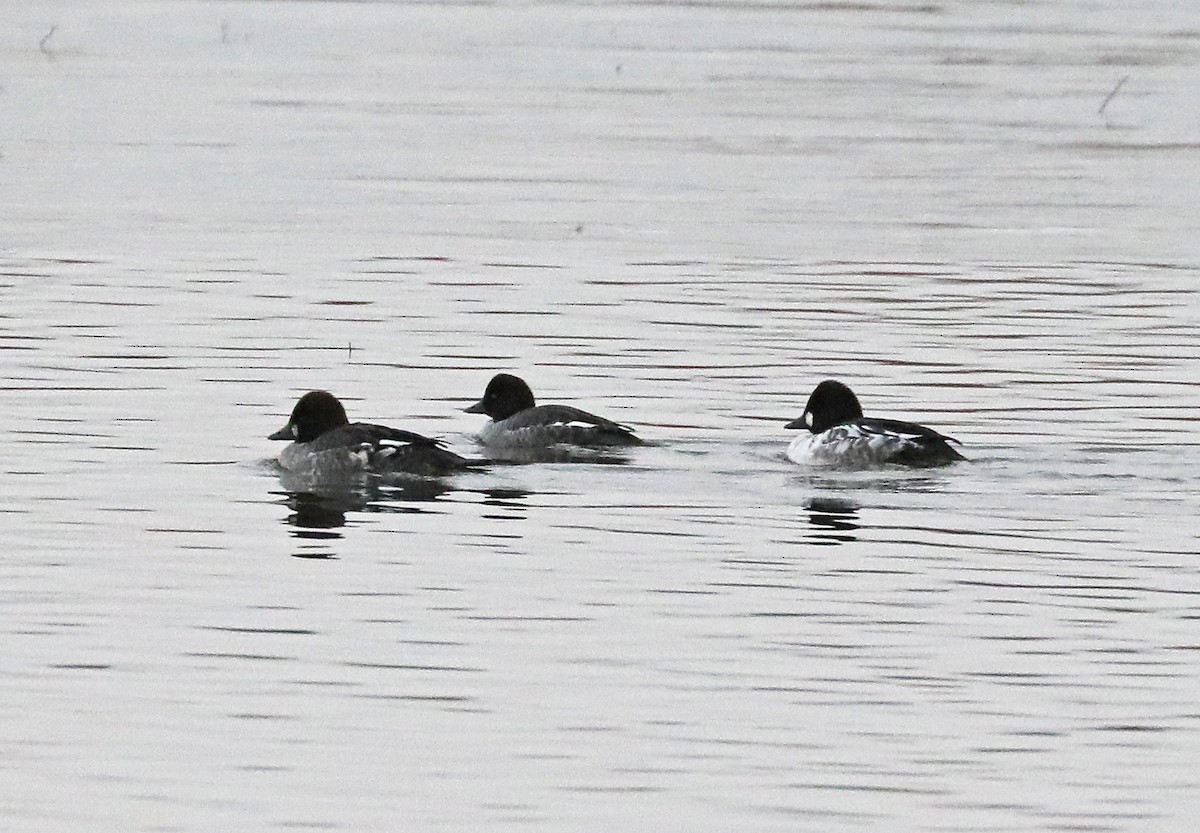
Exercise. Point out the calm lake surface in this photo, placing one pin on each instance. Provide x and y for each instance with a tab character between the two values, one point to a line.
982	216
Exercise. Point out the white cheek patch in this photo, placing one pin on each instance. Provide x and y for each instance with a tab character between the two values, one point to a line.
808	420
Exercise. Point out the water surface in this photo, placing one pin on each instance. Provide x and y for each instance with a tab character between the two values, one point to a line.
682	217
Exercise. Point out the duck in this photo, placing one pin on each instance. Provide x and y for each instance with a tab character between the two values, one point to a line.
326	446
841	437
518	422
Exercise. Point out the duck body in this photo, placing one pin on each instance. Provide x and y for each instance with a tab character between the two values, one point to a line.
326	446
840	436
518	422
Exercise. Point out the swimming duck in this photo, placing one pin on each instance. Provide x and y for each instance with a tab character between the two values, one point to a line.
841	436
519	422
325	445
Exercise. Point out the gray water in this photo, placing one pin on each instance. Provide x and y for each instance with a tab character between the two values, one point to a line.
981	216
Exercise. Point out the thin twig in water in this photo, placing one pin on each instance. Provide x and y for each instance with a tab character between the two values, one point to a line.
1113	94
44	43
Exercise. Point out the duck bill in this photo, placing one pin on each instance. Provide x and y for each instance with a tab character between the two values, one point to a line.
287	432
797	423
477	408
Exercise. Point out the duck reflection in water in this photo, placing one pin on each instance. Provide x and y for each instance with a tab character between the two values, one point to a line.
834	520
316	511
